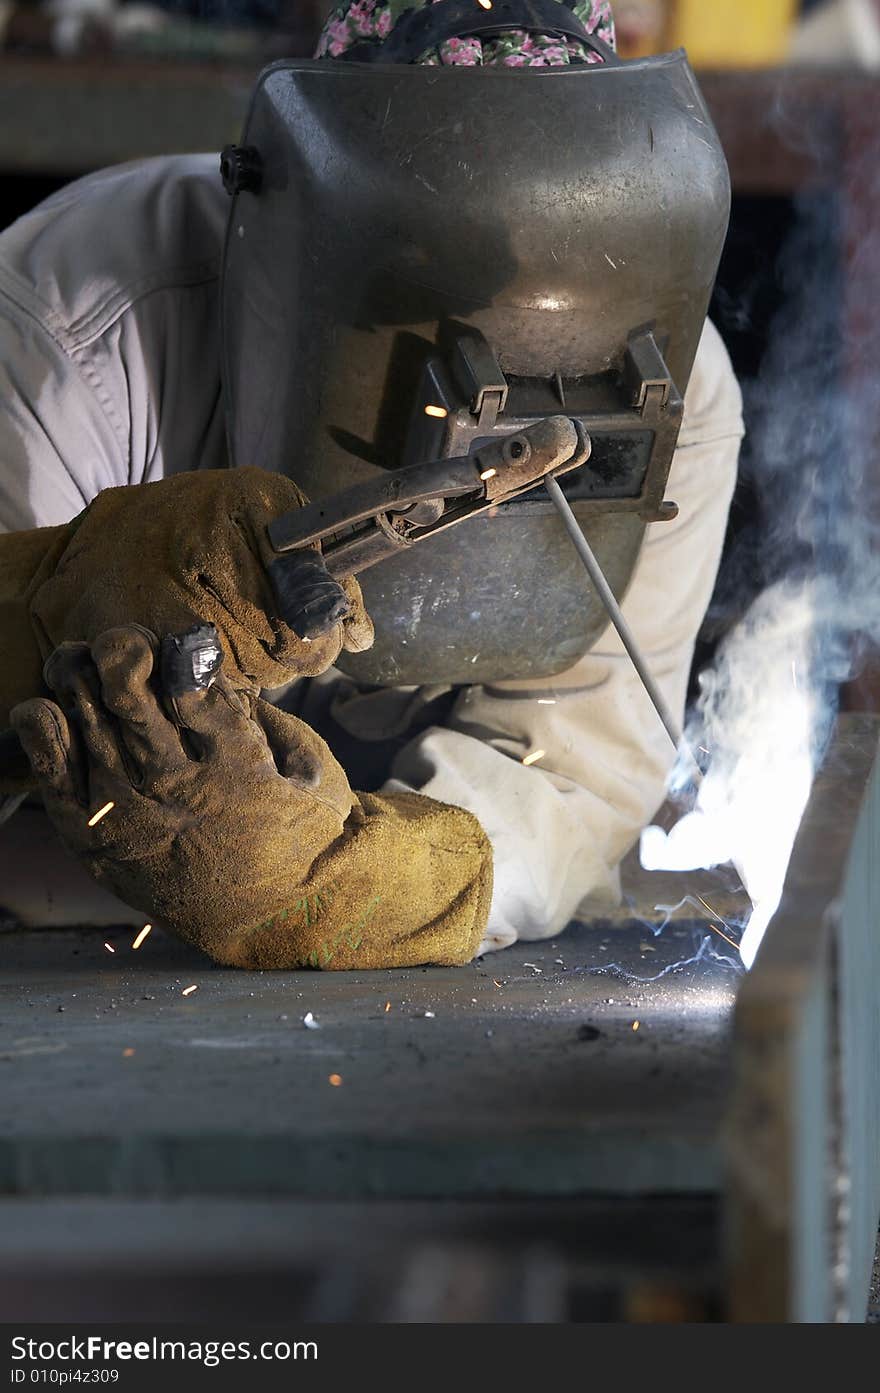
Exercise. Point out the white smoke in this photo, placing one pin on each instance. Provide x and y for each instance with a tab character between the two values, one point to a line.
767	704
757	718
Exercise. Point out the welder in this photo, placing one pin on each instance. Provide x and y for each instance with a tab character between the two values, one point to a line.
167	400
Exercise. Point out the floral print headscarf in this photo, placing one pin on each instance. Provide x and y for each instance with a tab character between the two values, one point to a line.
355	20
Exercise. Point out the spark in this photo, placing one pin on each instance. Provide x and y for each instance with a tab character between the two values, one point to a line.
335	1080
636	1025
713	912
794	676
127	1054
387	1007
102	812
546	701
438	411
109	947
429	1015
670	909
309	1022
612	264
534	756
187	991
486	4
142	935
488	474
497	983
733	942
716	915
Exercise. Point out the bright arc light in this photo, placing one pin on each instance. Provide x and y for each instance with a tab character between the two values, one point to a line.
749	819
761	728
755	931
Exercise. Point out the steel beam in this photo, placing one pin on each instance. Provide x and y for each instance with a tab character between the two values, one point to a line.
802	1197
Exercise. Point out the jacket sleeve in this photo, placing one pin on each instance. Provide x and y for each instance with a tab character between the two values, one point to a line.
109	345
560	827
57	445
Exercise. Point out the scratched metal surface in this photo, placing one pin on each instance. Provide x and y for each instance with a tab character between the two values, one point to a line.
528	1079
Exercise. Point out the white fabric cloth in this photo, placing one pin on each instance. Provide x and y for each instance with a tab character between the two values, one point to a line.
109	374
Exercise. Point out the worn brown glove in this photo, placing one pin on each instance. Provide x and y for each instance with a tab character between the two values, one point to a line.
167	555
233	822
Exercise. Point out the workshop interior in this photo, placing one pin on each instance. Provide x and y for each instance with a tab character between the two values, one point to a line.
667	1111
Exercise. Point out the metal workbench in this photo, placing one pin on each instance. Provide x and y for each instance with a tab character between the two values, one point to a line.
721	1160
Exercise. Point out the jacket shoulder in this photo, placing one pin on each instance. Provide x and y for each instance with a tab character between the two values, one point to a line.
88	253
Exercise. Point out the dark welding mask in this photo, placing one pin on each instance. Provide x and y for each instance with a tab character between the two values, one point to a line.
419	259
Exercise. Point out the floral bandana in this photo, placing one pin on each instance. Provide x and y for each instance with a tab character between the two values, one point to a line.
355	20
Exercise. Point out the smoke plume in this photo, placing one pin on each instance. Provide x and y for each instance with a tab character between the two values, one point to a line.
767	704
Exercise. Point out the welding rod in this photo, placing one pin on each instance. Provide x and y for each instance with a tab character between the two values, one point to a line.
615	614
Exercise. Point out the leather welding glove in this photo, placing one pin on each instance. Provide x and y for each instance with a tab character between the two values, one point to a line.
233	823
191	548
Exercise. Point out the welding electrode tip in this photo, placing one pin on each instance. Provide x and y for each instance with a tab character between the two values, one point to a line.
615	614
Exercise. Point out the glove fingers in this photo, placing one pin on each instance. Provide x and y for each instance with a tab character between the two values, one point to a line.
125	660
73	677
221	723
357	628
310	601
45	736
299	753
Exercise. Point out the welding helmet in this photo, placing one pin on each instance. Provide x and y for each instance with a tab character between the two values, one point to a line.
422	255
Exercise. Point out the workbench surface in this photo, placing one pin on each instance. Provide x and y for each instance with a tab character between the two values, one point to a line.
524	1073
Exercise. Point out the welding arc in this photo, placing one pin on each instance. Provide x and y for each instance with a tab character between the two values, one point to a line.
615	614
